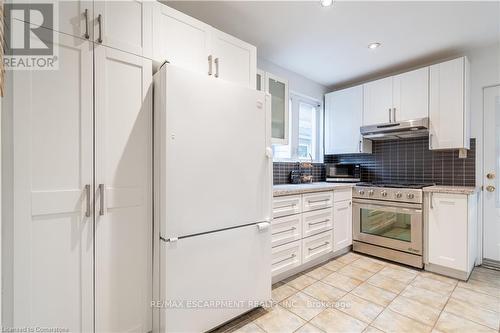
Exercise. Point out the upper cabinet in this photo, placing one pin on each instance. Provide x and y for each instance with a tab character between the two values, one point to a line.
397	98
343	118
278	89
192	44
449	105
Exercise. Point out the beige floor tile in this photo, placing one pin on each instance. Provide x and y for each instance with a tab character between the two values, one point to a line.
486	275
341	281
348	258
299	282
439	287
334	265
371	329
324	292
368	264
449	323
279	320
482	300
415	310
359	308
438	277
319	272
390	321
374	294
425	297
387	283
331	320
355	272
472	312
249	328
403	268
405	276
481	287
280	293
303	305
308	328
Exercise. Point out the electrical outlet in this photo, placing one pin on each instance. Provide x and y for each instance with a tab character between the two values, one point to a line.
462	153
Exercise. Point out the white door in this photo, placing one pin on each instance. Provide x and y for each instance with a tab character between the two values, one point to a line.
124	25
180	39
411	95
123	166
491	239
48	231
207	124
377	102
342	225
234	60
343	118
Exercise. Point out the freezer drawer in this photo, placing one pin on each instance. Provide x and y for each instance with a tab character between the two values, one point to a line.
286	229
287	205
286	257
316	201
317	221
230	265
316	246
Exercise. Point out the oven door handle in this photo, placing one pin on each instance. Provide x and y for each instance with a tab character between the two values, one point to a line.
388	205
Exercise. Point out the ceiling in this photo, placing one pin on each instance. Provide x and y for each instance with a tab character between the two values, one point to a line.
329	44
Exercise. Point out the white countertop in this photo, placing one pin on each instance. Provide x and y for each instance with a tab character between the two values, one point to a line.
289	189
451	189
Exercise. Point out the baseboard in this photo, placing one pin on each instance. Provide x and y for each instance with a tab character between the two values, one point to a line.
454	273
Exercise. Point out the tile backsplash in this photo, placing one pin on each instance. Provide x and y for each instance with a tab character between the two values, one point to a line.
403	160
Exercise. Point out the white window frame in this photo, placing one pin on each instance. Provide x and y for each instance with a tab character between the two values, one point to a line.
296	99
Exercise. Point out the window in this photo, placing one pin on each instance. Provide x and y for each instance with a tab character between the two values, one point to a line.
305	132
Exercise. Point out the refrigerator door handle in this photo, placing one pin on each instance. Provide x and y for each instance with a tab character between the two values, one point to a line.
263	226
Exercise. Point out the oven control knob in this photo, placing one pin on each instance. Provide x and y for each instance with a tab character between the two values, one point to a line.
361	192
370	192
399	195
411	195
384	193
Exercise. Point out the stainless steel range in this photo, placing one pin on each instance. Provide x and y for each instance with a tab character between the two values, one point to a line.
388	220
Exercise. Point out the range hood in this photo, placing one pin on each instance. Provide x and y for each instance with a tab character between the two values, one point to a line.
397	130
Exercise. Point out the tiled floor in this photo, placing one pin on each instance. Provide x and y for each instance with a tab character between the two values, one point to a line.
354	293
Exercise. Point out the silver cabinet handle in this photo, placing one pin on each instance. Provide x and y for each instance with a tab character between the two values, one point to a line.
86	14
288	258
283	231
317	247
320	222
210	65
394	114
216	61
99	21
430	140
359	145
87	192
101	199
315	201
431	199
390	116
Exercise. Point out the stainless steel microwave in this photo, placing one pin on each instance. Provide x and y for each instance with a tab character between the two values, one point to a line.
343	172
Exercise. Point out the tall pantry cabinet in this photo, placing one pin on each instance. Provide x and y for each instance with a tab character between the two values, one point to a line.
77	152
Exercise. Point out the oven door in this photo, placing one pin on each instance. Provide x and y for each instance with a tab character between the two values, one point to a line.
393	225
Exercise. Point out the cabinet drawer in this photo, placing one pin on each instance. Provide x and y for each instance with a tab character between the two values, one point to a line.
342	195
316	246
317	221
286	229
287	205
286	257
316	201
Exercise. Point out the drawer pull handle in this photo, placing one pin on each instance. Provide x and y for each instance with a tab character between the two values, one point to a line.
290	205
314	223
283	231
317	247
315	201
287	258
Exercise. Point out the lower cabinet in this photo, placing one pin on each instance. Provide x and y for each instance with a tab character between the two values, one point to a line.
316	221
286	229
316	246
286	257
342	215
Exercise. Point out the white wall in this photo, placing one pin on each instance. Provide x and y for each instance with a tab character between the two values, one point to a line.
296	83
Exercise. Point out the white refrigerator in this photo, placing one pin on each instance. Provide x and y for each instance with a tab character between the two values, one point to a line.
213	200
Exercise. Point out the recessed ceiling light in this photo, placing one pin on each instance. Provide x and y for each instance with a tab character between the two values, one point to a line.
373	46
326	3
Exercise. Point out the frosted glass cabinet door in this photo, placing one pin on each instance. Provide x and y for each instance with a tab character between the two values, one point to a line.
278	88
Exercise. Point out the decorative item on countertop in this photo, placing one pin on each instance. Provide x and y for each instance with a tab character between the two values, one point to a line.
295	176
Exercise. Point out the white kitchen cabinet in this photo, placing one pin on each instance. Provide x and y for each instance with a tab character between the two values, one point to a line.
124	25
343	118
123	175
286	257
287	205
286	229
278	89
318	200
377	102
451	233
234	60
316	222
342	231
411	95
316	246
449	105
